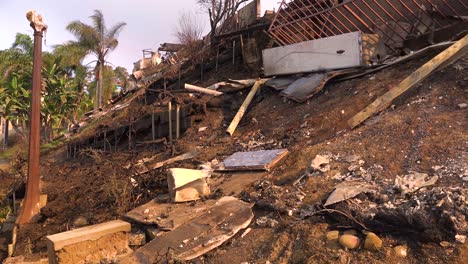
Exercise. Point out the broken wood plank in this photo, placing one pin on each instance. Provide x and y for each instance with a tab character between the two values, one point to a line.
141	168
60	240
236	183
200	235
202	90
232	85
384	101
232	127
253	160
187	185
168	216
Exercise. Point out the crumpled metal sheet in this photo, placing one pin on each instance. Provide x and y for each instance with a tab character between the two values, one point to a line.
304	88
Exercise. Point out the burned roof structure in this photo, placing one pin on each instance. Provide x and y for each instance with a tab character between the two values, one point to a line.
399	22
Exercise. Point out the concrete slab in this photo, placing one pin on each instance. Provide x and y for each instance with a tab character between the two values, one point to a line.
94	232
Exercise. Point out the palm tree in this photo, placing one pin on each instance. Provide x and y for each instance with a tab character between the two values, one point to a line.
96	40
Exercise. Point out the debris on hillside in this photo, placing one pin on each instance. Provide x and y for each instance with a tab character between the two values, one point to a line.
199	235
295	168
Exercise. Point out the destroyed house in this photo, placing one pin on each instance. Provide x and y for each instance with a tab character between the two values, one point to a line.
399	22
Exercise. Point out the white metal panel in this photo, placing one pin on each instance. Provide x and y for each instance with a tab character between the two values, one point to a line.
336	52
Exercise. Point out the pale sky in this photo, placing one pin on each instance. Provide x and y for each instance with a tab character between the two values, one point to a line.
149	22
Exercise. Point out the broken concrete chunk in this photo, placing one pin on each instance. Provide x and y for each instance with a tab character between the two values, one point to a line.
463	105
349	241
92	243
460	239
188	185
414	181
372	242
222	221
321	163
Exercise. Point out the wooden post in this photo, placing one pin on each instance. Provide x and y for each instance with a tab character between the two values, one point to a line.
153	128
170	121
202	90
232	127
217	58
115	140
177	121
130	137
201	70
381	103
180	85
104	140
5	133
233	52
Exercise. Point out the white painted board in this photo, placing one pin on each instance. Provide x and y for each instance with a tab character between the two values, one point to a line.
336	52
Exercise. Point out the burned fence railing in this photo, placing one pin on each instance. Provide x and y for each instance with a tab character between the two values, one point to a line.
395	20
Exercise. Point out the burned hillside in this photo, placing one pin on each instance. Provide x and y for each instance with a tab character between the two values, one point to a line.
355	151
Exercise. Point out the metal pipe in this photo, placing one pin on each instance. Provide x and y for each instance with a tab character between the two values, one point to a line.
305	25
177	121
436	8
389	15
320	16
299	31
425	12
382	19
170	121
153	128
375	24
412	12
310	19
276	15
450	7
292	32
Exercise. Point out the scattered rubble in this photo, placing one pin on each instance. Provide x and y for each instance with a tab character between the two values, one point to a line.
413	182
188	185
320	163
353	194
265	221
401	251
201	234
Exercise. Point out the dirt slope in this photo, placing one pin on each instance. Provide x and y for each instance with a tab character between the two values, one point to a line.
424	128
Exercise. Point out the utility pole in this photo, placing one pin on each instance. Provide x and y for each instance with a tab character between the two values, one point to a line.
31	204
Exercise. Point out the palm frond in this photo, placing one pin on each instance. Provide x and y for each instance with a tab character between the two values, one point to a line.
99	23
114	31
85	34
